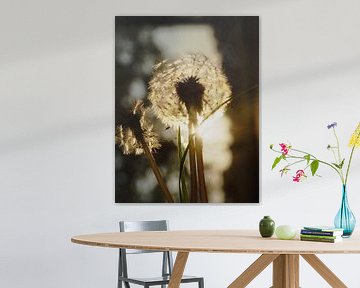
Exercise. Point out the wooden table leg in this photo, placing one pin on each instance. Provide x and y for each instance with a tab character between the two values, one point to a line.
178	270
253	270
286	271
324	271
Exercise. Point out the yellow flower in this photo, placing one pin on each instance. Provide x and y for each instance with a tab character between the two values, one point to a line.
171	82
355	138
137	127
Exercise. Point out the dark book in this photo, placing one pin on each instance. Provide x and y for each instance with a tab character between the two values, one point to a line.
321	233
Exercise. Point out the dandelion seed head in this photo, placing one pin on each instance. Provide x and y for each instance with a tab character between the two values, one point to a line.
191	93
137	125
173	79
355	137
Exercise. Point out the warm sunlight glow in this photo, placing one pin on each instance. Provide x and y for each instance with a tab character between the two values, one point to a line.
206	128
217	138
216	135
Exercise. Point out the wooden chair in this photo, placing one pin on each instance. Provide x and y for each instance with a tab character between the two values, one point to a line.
167	262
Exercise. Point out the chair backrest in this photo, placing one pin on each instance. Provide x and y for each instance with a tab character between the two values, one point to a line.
134	226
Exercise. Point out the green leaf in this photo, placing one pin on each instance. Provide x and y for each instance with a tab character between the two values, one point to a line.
339	166
342	163
336	165
182	180
271	146
276	161
307	157
314	166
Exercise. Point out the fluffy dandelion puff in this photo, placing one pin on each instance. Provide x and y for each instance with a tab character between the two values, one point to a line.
355	137
137	126
193	72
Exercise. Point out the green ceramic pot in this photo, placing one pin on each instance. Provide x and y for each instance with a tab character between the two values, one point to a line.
266	227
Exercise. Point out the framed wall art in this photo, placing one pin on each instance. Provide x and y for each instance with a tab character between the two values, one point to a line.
187	109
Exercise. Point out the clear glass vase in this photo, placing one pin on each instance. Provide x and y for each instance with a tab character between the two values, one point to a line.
345	219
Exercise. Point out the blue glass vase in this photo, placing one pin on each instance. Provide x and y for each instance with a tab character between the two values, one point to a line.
345	219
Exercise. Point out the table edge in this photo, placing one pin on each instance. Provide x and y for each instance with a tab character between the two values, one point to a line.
205	250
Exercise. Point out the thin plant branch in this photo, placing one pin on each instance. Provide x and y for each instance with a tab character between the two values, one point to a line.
156	171
200	169
192	157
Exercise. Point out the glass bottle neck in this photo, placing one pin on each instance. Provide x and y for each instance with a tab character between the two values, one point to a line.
344	194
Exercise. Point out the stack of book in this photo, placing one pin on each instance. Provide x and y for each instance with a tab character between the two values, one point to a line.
321	234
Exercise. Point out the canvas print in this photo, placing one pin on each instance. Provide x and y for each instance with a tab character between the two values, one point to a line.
186	109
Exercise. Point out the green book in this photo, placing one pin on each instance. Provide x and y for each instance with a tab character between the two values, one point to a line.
325	240
319	236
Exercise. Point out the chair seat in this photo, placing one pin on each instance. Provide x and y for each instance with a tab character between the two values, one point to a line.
158	280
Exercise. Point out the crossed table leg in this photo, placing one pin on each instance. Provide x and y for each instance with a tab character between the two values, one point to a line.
285	270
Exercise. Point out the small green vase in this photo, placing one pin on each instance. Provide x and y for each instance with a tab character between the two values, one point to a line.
267	227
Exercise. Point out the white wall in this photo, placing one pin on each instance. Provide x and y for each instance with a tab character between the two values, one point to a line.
56	125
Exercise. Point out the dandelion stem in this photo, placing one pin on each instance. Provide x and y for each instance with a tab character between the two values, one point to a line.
156	171
200	169
182	179
192	157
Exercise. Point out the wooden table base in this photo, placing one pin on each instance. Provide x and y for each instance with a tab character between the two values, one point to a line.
178	269
286	271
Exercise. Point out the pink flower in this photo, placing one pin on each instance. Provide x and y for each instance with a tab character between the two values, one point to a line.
284	148
300	175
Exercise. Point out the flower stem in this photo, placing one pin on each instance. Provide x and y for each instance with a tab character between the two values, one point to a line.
348	167
337	144
182	177
304	152
192	157
323	162
296	162
156	171
339	156
200	169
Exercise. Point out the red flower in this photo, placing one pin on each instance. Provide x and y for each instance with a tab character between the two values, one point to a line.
300	174
284	148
